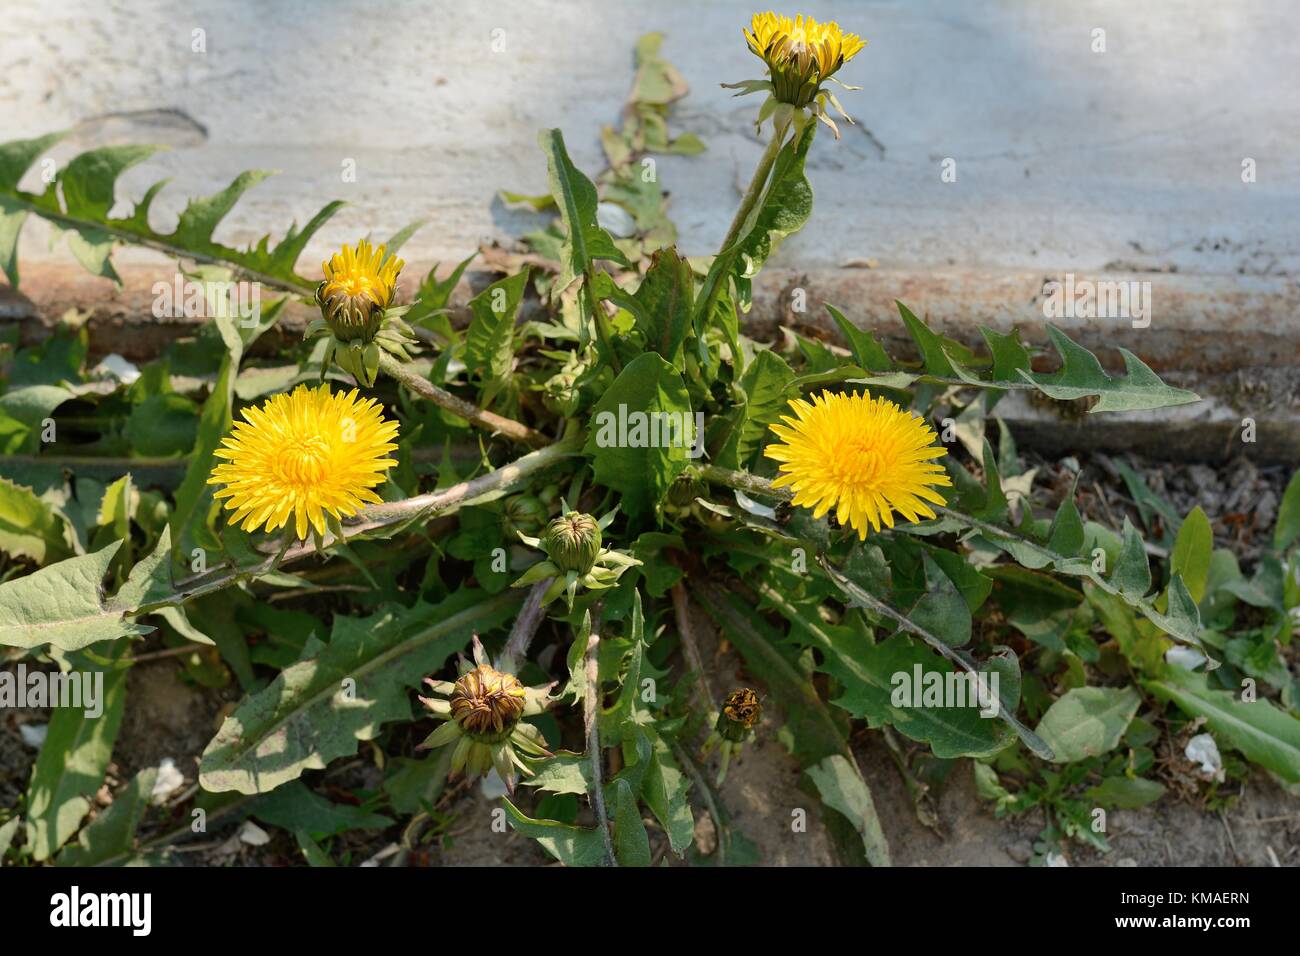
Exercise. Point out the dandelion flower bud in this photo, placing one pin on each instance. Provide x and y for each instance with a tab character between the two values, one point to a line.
800	54
572	542
359	285
487	704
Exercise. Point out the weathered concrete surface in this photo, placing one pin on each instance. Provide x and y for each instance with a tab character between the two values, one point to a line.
1066	158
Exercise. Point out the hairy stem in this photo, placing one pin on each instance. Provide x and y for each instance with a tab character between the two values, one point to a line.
388	514
742	481
591	729
682	611
757	184
525	626
602	321
478	417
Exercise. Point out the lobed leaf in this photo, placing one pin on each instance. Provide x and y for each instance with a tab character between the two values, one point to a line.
344	691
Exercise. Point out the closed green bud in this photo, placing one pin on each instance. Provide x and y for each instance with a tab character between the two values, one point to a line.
683	492
524	513
572	542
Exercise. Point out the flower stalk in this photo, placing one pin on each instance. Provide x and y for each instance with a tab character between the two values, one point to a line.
757	186
385	515
591	733
478	417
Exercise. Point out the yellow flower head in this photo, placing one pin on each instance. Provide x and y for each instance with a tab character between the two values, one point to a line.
304	456
359	285
800	54
864	457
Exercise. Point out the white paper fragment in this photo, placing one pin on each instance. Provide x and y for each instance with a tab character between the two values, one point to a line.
1202	750
33	734
493	787
615	220
753	507
382	855
118	367
167	782
1188	658
253	835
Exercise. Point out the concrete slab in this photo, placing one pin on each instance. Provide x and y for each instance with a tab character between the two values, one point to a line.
1066	158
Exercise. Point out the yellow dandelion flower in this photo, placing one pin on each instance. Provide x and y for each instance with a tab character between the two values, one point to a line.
864	457
800	53
304	456
359	285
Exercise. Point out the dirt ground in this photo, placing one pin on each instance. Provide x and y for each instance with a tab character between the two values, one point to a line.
167	717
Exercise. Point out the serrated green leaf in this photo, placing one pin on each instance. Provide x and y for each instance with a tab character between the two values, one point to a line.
1128	793
70	767
434	293
635	449
1009	354
1132	573
767	384
296	808
17	156
1265	734
111	835
150	581
1288	515
1191	555
29	526
872	691
931	345
973	586
201	216
89	180
1088	721
572	846
12	217
1008	697
87	187
663	303
63	605
93	248
942	610
868	353
665	791
1065	535
842	788
563	772
1081	376
309	715
631	842
784	209
490	341
575	195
